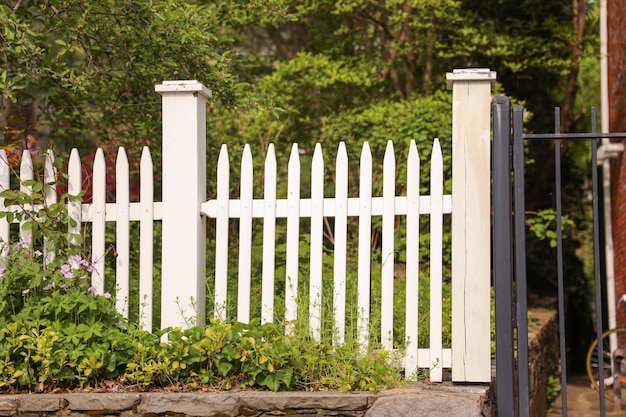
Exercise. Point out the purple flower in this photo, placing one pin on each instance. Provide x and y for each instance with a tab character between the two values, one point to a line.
92	289
82	262
22	243
5	250
26	291
66	271
106	295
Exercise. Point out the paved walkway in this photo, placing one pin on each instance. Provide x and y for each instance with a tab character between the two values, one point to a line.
582	401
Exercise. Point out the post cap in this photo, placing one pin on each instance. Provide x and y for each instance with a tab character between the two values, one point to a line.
470	74
179	86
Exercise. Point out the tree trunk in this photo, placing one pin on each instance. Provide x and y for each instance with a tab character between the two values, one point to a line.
568	118
427	74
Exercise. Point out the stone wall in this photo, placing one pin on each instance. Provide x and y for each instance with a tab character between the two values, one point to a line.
442	400
543	356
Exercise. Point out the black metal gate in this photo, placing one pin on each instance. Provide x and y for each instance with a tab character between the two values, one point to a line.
509	257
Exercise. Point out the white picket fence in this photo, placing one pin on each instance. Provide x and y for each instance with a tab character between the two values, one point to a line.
184	209
98	212
269	208
340	207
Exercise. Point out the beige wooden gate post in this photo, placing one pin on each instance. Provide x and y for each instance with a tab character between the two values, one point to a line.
471	220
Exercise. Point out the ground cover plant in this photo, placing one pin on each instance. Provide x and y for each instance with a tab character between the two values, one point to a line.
60	332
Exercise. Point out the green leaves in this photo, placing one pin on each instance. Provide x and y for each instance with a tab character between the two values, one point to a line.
92	67
543	225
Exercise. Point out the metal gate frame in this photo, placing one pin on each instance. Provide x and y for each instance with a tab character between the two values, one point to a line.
509	255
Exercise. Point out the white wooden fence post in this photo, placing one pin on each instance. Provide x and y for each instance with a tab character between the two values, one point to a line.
471	220
184	189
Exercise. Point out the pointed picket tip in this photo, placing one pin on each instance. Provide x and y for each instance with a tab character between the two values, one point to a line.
389	167
436	155
121	155
223	152
318	158
50	175
223	174
247	173
99	157
342	159
246	149
389	148
50	157
271	151
4	171
270	169
413	152
437	144
341	149
413	166
27	162
366	153
146	157
99	175
75	174
246	163
146	182
295	154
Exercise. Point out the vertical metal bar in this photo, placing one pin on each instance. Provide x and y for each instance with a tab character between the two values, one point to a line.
520	262
502	257
596	261
559	255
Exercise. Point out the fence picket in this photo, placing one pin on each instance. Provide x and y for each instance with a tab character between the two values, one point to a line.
293	237
26	173
388	246
341	238
365	237
245	236
5	184
317	238
122	232
49	178
74	187
98	221
436	256
269	236
146	239
221	233
412	259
